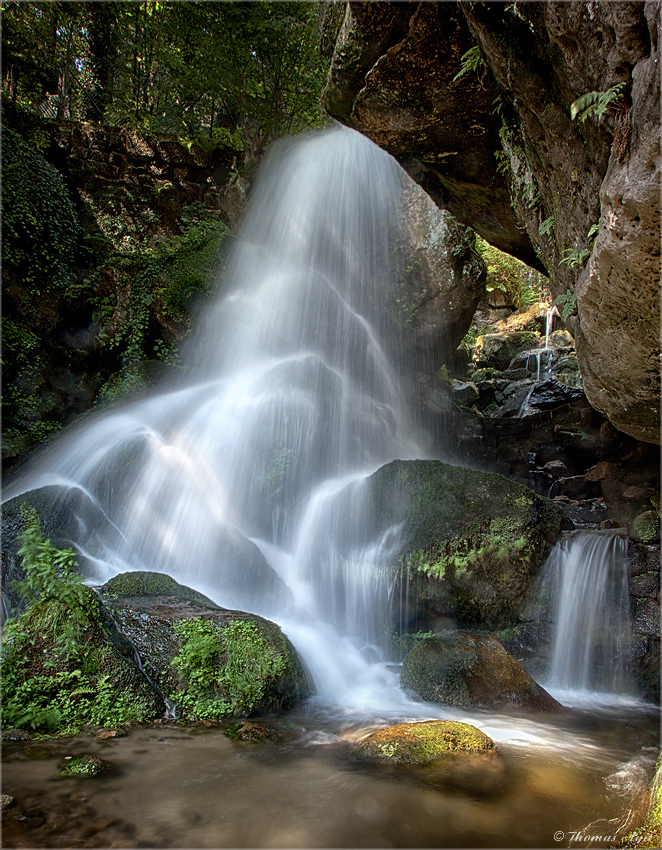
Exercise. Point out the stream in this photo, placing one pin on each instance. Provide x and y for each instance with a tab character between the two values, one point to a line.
570	779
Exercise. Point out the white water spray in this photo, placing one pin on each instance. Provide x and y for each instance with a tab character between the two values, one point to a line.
247	481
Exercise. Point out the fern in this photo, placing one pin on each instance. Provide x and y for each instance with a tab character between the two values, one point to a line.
575	259
595	103
471	61
546	227
567	302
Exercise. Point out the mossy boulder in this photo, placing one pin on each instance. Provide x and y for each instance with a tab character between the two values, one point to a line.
50	682
145	584
84	766
645	527
422	743
210	661
471	541
496	351
467	670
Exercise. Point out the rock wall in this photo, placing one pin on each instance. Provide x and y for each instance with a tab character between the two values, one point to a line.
494	141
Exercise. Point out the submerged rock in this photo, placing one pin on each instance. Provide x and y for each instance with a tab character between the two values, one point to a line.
84	766
466	670
470	541
422	743
211	661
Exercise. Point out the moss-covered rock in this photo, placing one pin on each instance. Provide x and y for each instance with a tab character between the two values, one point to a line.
142	583
645	527
463	670
422	743
471	541
210	661
61	671
84	766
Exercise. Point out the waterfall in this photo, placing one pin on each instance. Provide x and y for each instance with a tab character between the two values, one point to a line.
585	583
245	480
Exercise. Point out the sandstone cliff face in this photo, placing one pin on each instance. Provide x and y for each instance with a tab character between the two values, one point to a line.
498	147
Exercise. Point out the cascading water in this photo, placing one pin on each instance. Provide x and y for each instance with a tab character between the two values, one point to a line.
585	585
246	481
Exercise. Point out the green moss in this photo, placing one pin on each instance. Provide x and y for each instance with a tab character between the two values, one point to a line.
434	671
84	766
59	670
145	583
422	743
646	527
225	669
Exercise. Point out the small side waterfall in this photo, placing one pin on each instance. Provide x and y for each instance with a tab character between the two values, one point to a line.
585	585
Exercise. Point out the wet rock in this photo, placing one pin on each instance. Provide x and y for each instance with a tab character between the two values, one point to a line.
465	393
147	585
442	282
84	766
557	468
163	625
251	730
15	735
550	393
422	743
647	584
647	618
470	541
6	801
646	527
105	734
637	494
463	670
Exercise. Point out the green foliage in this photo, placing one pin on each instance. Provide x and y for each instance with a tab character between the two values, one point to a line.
520	284
595	103
165	277
567	302
50	574
39	222
23	380
472	60
547	226
210	71
63	690
575	258
225	668
402	644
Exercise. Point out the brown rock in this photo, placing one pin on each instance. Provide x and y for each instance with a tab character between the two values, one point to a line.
464	669
636	494
604	469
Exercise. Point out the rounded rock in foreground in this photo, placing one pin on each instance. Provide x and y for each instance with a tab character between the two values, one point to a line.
422	743
84	766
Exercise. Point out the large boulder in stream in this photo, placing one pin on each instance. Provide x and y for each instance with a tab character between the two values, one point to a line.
469	670
470	542
211	661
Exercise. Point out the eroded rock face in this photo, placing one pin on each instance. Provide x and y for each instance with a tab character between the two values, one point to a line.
564	178
391	77
463	670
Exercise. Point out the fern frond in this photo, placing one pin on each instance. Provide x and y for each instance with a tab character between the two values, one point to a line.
595	103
